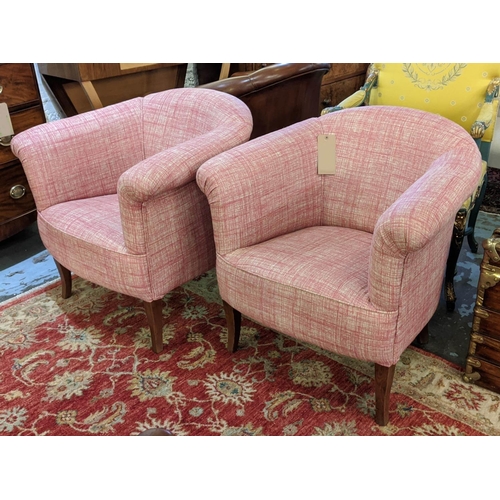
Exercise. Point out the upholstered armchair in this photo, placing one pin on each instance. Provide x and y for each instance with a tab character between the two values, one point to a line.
353	261
466	93
278	95
116	194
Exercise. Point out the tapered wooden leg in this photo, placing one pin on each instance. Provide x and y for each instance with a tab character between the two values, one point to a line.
423	336
155	319
65	275
383	383
233	320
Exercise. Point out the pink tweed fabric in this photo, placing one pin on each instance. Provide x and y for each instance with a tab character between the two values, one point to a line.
352	262
115	188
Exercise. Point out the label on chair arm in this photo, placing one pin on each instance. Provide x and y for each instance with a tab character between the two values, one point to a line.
326	154
6	129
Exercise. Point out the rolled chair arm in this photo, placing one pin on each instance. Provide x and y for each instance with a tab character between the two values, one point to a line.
416	219
258	191
362	96
176	166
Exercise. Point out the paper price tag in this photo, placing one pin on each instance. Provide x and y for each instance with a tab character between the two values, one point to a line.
6	129
327	156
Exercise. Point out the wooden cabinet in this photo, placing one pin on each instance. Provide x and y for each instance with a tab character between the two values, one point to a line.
81	87
341	81
483	360
19	90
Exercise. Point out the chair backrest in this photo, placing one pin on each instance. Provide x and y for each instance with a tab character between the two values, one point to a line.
178	115
381	152
278	95
456	91
117	137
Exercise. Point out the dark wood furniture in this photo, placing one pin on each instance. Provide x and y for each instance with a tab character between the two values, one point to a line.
483	361
210	72
81	87
278	95
19	90
341	81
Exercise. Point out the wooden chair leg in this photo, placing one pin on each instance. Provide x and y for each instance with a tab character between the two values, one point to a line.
65	275
423	336
233	320
383	383
155	320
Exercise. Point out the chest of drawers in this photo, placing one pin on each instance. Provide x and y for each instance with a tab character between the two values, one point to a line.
483	360
19	90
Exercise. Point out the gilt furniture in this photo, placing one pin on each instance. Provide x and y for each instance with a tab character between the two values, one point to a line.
81	87
466	93
116	194
352	261
19	90
278	95
483	361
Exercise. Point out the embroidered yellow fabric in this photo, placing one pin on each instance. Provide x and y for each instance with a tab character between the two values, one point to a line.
454	90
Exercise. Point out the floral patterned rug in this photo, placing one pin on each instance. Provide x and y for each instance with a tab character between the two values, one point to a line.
83	366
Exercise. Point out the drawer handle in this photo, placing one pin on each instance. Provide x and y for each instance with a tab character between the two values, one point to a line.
17	191
5	141
1	89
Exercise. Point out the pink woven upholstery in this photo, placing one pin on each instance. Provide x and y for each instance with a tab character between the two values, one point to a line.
115	188
352	262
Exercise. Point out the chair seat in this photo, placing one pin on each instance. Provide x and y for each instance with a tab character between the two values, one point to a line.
87	236
295	260
95	221
323	272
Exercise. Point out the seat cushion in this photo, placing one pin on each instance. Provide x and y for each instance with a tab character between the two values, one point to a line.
93	220
85	236
314	283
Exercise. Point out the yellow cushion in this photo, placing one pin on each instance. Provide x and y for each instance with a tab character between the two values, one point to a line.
453	90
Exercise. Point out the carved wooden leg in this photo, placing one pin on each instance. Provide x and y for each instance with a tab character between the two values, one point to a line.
233	320
423	336
155	319
469	232
455	247
65	275
383	383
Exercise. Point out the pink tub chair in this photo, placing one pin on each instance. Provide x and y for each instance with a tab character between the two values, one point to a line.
116	194
352	262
